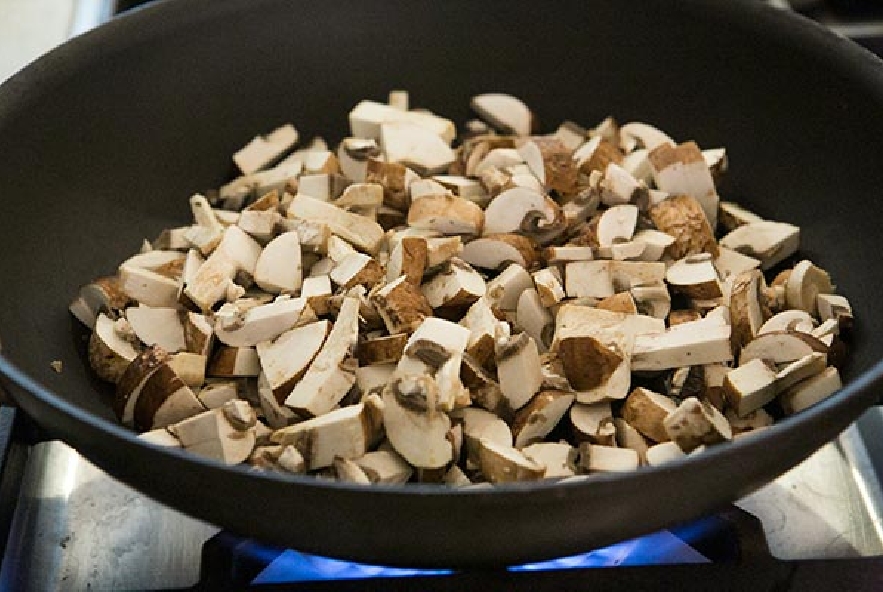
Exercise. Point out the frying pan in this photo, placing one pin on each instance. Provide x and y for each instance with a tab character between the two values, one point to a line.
102	141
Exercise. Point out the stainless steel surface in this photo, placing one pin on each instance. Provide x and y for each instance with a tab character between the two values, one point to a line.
75	528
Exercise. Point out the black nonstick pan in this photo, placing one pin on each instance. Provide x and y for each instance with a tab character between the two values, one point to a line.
102	141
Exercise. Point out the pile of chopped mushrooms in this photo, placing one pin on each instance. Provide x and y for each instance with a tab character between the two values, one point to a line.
518	307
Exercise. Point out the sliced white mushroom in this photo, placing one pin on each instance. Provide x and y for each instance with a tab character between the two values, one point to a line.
627	274
695	423
525	211
681	170
110	351
458	285
212	435
519	369
504	464
664	452
687	344
800	369
617	224
367	117
415	146
559	458
479	425
534	421
810	391
593	423
353	155
353	228
157	326
348	432
588	278
447	214
504	290
384	466
804	284
246	328
789	320
230	362
771	242
497	251
426	188
329	377
749	387
148	287
413	426
605	459
262	151
619	187
504	112
357	269
236	252
347	471
694	276
781	347
465	187
286	357
534	319
637	134
278	268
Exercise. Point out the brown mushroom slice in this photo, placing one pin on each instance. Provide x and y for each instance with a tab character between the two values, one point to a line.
382	350
619	187
479	425
164	400
681	170
132	381
559	458
622	302
804	284
189	367
595	155
694	276
262	151
246	328
276	415
236	252
348	432
519	369
595	458
789	320
395	180
440	250
534	421
771	242
695	423
732	215
384	466
401	305
436	349
664	452
278	268
750	387
415	146
637	134
652	299
357	269
833	306
645	411
589	279
447	214
497	251
465	187
416	430
211	434
504	290
746	306
732	263
525	211
681	217
551	163
408	258
329	377
504	464
110	352
504	112
687	344
587	361
549	286
102	295
286	357
628	437
593	423
781	347
198	333
458	285
234	362
810	391
358	230
313	236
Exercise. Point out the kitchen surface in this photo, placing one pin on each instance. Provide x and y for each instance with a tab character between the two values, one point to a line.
68	526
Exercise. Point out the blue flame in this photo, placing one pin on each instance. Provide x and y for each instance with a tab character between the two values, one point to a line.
656	549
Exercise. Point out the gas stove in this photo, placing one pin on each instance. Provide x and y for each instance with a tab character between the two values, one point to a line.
66	525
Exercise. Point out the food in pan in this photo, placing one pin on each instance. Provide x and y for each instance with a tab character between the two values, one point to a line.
518	307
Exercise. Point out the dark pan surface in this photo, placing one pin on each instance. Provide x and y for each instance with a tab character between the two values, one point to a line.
102	141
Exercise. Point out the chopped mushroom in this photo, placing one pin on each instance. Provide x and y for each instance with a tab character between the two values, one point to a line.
645	411
414	427
605	459
264	150
534	421
109	351
810	391
519	369
504	112
681	170
446	214
559	458
683	218
481	426
804	284
501	464
278	268
593	423
770	242
664	452
524	211
749	387
497	251
781	347
696	422
212	435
